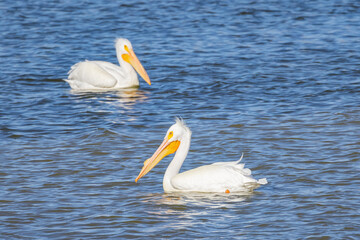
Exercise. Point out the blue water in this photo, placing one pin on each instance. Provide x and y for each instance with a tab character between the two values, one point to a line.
276	80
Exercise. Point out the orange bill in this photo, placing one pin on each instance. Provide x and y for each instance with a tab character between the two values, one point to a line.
134	61
164	149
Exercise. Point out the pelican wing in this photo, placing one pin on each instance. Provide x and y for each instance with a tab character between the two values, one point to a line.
93	75
217	177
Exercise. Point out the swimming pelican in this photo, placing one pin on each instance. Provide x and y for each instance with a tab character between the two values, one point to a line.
101	75
222	177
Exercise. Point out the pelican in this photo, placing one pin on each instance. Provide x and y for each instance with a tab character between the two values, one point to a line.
100	75
219	177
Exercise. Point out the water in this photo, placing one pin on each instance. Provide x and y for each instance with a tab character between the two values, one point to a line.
276	80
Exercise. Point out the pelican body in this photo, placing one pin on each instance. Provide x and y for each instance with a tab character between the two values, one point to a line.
219	177
100	75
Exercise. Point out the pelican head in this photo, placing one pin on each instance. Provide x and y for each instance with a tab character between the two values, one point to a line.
177	130
170	144
125	51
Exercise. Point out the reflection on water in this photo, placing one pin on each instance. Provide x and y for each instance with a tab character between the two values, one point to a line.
129	97
209	200
179	211
123	98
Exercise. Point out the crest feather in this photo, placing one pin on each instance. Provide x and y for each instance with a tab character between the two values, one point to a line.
181	123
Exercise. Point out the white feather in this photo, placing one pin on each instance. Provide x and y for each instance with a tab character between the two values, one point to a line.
217	177
92	75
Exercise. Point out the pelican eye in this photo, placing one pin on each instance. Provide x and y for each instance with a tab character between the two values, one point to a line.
170	135
126	48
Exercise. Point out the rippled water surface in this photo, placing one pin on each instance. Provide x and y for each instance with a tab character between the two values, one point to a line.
277	80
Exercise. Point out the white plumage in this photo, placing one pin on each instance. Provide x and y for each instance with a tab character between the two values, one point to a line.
100	75
217	177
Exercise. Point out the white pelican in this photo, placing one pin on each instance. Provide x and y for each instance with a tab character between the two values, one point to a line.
221	177
99	75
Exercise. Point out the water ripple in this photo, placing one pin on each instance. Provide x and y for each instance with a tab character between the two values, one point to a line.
276	81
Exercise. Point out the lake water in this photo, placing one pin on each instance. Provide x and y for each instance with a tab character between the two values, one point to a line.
276	80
